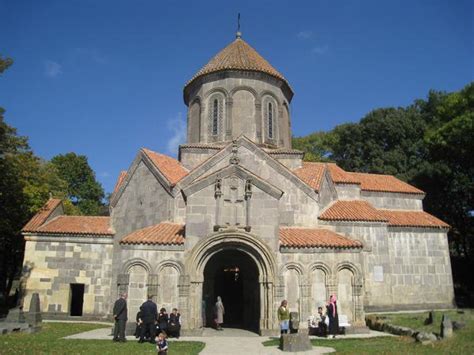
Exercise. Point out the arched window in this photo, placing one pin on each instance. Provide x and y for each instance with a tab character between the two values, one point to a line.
215	117
216	113
270	120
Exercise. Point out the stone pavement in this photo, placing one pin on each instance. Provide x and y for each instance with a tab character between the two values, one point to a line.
230	341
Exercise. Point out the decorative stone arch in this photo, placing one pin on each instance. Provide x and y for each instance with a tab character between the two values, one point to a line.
246	243
269	93
357	284
215	132
135	282
166	283
315	296
170	263
134	262
270	114
194	118
245	88
295	293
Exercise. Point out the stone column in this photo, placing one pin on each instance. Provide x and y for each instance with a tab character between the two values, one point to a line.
359	316
183	299
305	296
123	281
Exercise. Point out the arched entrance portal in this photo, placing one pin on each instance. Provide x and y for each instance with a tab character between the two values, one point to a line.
233	275
204	261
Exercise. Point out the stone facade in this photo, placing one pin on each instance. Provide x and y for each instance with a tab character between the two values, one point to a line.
232	191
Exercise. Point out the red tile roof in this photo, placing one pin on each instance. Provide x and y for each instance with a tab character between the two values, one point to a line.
312	238
398	218
238	55
311	174
357	210
119	182
169	167
383	183
340	176
42	215
77	225
165	233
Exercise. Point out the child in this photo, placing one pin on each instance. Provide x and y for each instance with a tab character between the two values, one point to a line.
161	344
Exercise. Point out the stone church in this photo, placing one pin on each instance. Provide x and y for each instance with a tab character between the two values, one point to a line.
241	216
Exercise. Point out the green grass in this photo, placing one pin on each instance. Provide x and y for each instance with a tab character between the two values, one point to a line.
49	341
416	320
461	343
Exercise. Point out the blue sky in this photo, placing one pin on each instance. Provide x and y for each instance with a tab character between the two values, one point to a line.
105	78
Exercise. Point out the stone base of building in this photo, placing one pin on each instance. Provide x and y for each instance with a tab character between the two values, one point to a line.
408	307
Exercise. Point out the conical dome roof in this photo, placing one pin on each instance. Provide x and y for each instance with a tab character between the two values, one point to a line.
238	55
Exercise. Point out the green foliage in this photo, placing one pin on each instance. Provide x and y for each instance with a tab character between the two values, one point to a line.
461	343
5	63
50	341
316	146
83	190
428	144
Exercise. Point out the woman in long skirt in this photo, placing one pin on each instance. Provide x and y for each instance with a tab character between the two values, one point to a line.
333	316
219	310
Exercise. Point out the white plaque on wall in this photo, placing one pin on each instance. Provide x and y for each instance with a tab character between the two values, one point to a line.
378	273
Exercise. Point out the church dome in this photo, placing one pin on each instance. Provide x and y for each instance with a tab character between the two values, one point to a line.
238	55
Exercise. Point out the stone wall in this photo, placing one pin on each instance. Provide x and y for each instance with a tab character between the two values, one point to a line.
52	264
143	203
390	200
244	96
309	276
421	268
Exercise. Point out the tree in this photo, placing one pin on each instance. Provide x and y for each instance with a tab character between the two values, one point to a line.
316	146
83	190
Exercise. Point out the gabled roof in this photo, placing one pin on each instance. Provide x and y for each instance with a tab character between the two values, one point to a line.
294	237
95	225
164	233
171	168
120	180
383	183
238	55
42	215
312	174
356	210
398	218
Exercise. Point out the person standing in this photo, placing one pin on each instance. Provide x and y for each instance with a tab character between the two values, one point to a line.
284	317
149	315
120	317
333	316
220	311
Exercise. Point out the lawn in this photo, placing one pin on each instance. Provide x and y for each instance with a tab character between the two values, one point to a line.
461	343
49	341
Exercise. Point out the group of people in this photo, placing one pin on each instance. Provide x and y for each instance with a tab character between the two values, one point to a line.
151	326
324	329
151	322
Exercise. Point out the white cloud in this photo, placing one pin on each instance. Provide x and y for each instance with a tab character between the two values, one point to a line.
319	50
52	69
104	174
305	34
177	126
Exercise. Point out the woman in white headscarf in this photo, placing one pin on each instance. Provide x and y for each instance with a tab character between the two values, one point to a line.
219	310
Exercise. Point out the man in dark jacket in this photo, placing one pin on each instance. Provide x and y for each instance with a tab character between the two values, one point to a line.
120	317
149	315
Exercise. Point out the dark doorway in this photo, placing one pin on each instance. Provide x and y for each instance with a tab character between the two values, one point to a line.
77	299
233	275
